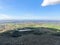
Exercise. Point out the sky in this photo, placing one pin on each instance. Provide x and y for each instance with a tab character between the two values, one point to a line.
30	9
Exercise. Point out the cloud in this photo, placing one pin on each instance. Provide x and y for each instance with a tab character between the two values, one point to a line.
4	17
50	2
22	17
27	17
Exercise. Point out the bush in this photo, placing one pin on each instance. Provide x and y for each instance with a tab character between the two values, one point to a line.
56	34
16	34
37	32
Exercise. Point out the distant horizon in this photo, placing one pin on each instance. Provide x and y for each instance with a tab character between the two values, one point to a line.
29	20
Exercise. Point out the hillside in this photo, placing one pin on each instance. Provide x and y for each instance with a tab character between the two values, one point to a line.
44	34
44	37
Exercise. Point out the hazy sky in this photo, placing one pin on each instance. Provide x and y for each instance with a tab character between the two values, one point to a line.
30	9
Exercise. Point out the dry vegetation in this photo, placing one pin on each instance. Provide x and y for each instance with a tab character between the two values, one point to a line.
15	26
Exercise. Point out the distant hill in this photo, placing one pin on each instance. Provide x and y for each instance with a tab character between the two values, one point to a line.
24	21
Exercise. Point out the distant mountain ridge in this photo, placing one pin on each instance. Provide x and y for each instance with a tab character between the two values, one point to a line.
22	21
